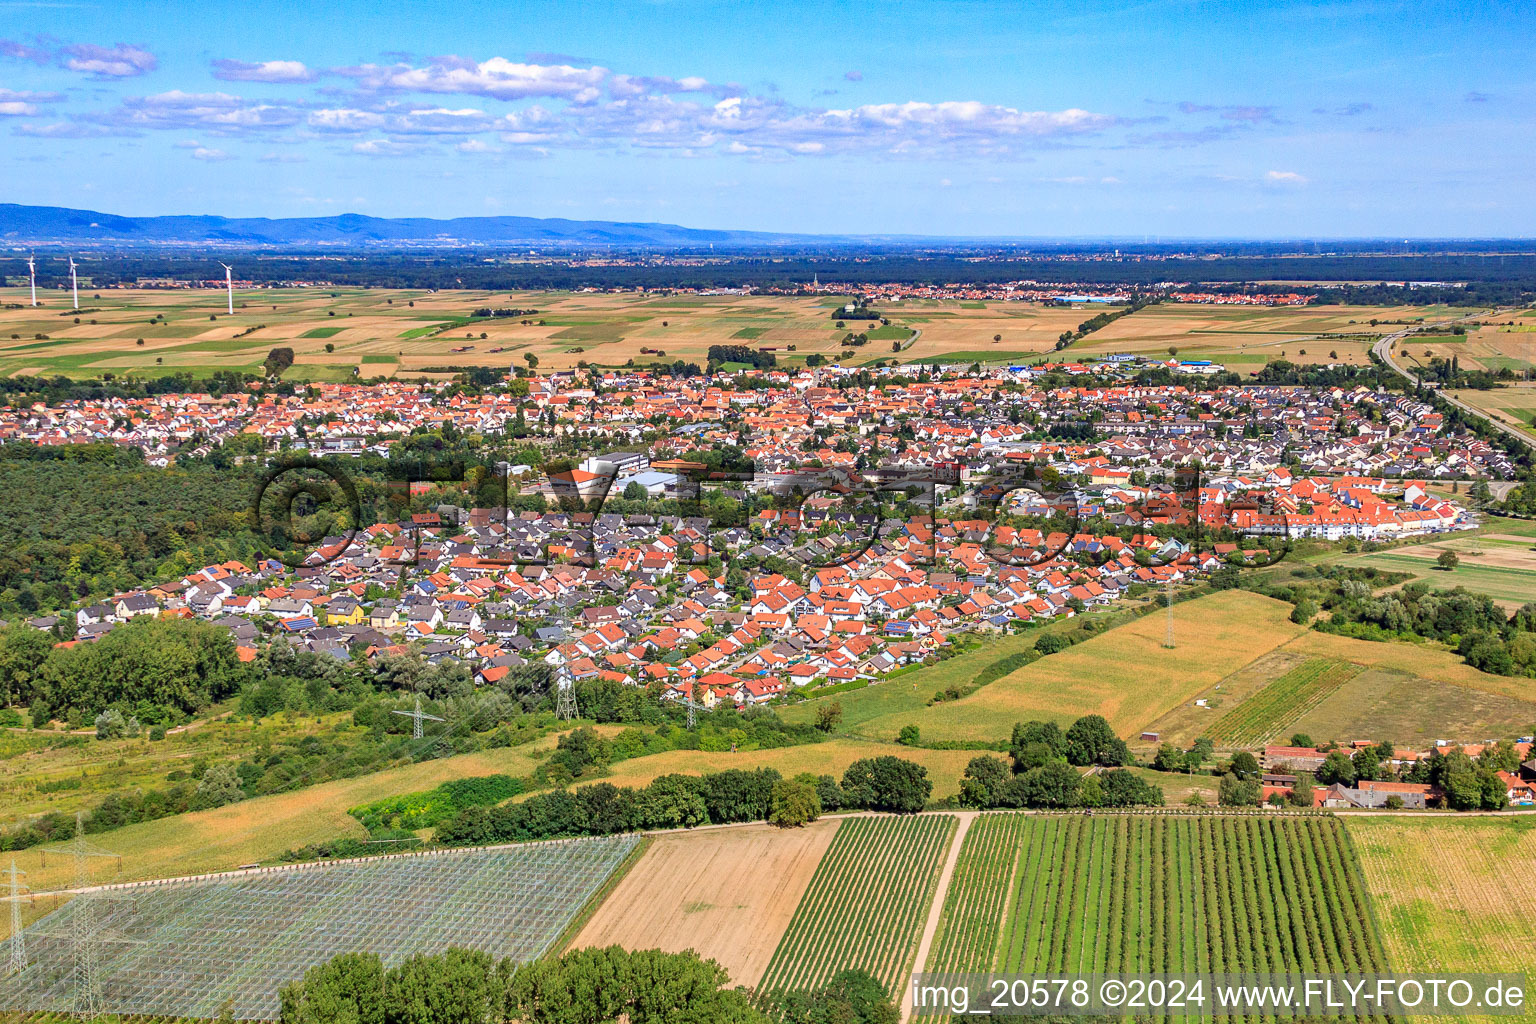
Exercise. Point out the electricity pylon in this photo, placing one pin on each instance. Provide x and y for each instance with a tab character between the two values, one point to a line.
692	704
18	943
88	1000
565	686
1168	600
418	716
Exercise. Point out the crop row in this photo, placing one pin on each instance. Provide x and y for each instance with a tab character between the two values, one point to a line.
1282	702
978	895
865	905
1046	894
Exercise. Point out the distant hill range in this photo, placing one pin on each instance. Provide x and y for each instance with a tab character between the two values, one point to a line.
43	225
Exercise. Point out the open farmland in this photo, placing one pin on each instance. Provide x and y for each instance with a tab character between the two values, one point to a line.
343	333
1125	674
262	828
1155	893
1498	344
728	894
911	690
1452	895
1514	404
1341	688
829	758
866	904
199	948
1248	337
1501	565
375	332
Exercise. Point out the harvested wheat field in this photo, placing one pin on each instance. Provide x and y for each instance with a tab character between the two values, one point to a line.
1125	674
727	894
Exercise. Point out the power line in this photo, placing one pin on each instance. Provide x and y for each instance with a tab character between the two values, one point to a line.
1168	601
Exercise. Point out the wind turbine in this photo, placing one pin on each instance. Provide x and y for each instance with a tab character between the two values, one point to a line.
74	282
32	273
229	282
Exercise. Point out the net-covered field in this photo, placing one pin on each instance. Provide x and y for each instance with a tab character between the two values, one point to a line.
1154	893
202	948
866	904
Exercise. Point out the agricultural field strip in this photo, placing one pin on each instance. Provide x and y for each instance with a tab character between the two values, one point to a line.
193	948
866	904
727	893
1284	701
1444	900
1155	893
978	896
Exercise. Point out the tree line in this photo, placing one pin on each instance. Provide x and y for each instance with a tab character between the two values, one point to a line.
1043	770
687	801
585	986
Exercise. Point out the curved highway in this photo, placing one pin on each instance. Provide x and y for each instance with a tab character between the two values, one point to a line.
1383	350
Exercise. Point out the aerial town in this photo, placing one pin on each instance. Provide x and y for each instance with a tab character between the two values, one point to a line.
809	513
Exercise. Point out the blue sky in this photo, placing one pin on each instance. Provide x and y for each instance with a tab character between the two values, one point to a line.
1254	120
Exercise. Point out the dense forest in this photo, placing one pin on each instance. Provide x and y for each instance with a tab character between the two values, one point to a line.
84	520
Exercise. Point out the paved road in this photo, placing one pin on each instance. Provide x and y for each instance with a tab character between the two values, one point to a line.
1383	350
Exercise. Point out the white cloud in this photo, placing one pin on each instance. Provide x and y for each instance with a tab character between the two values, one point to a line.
264	71
65	130
384	147
215	111
1285	177
551	104
120	61
343	119
402	121
476	146
24	104
210	154
498	77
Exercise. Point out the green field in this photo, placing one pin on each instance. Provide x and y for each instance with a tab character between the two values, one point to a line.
1508	584
866	903
1411	708
909	692
1154	893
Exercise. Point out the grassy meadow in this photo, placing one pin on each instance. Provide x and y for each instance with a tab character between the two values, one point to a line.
43	772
